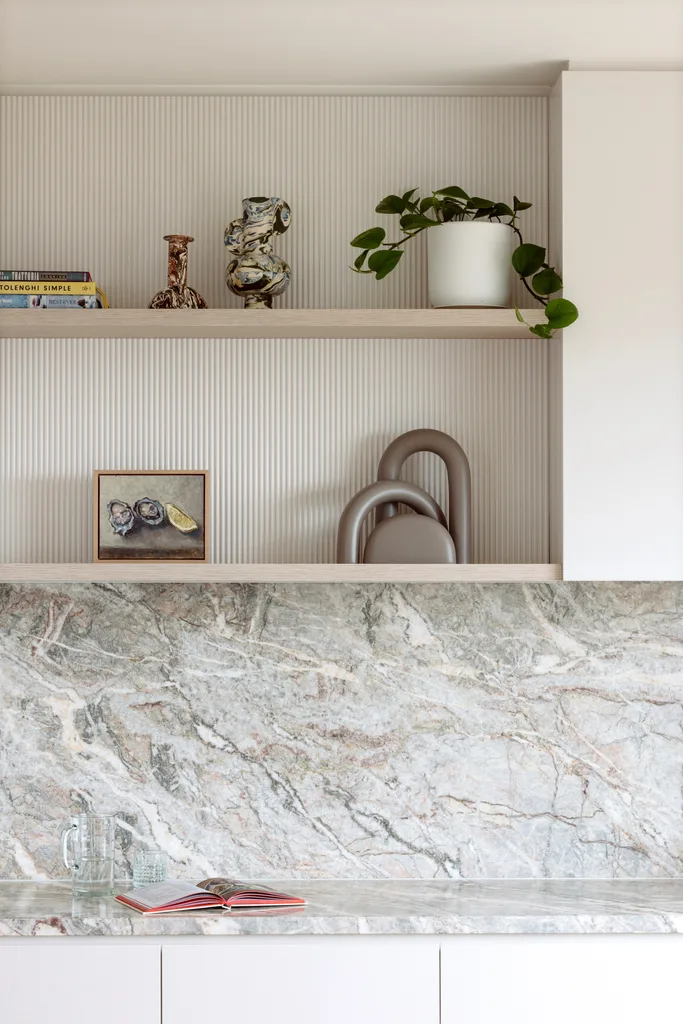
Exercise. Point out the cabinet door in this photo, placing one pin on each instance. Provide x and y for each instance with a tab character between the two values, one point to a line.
622	137
328	981
593	979
60	981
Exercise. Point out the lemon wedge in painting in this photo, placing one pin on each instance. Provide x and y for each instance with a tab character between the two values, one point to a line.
180	519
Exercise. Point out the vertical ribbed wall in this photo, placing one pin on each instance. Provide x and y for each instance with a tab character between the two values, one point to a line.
288	429
96	181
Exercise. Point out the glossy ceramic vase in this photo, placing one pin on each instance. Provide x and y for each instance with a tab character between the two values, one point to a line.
255	272
469	263
177	294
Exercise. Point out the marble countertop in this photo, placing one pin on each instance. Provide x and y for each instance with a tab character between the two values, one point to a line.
371	908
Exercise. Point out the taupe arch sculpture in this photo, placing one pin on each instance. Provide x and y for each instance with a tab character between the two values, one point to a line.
353	516
459	481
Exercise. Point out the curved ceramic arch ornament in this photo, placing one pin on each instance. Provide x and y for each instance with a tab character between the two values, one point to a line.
423	538
459	480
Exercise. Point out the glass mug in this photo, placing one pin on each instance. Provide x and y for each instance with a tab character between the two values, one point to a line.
88	845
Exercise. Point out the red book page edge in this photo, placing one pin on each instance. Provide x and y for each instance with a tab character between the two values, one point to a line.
264	899
193	903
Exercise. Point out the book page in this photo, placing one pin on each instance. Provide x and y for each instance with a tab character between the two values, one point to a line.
234	892
162	893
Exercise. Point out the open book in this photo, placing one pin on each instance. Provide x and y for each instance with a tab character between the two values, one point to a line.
166	897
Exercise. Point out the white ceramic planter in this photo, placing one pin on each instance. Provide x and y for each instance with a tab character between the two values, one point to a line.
469	263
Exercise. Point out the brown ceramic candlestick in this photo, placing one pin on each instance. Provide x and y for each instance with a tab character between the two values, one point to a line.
178	294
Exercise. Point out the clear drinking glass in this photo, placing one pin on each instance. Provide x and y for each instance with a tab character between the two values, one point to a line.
149	866
88	846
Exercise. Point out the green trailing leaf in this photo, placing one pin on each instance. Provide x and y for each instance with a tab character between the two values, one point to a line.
384	261
450	210
391	204
427	203
527	259
542	330
503	210
370	239
446	204
453	192
561	313
546	282
415	221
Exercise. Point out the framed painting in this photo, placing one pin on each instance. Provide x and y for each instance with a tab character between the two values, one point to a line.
151	515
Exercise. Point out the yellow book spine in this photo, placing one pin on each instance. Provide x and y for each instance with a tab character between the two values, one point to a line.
48	288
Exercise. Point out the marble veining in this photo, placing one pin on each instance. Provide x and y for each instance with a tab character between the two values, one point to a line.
340	731
373	908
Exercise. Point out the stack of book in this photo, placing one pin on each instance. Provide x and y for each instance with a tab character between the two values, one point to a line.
49	289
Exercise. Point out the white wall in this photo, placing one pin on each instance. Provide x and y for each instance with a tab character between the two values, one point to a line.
622	169
355	43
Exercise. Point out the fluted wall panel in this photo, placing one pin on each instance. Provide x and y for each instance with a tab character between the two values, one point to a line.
96	181
289	430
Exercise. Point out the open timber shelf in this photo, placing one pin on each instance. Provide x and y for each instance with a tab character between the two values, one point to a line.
239	323
266	323
98	572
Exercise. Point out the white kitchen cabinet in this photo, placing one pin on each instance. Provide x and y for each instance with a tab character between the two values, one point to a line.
328	981
529	979
69	982
617	147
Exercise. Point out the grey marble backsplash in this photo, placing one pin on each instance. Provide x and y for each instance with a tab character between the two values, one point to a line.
417	731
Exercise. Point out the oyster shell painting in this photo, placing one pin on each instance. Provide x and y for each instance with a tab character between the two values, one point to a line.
121	516
151	512
151	516
255	272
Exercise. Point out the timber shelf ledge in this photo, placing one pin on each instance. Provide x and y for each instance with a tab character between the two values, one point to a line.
98	572
266	323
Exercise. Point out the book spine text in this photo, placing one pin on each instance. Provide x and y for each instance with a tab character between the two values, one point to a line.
50	302
45	275
48	288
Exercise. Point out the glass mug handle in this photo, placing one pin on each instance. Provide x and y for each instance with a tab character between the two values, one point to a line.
67	845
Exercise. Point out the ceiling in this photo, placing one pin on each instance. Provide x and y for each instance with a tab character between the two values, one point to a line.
371	44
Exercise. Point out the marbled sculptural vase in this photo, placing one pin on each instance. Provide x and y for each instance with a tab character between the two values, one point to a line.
255	272
177	294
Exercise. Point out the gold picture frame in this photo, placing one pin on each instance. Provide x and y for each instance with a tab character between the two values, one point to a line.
138	516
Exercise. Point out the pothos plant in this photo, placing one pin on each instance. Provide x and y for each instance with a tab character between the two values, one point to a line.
453	204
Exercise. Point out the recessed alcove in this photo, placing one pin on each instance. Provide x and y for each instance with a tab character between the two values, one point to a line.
291	414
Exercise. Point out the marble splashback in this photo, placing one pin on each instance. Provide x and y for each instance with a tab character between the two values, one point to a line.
417	731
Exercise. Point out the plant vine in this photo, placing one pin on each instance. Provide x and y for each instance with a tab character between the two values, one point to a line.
416	215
